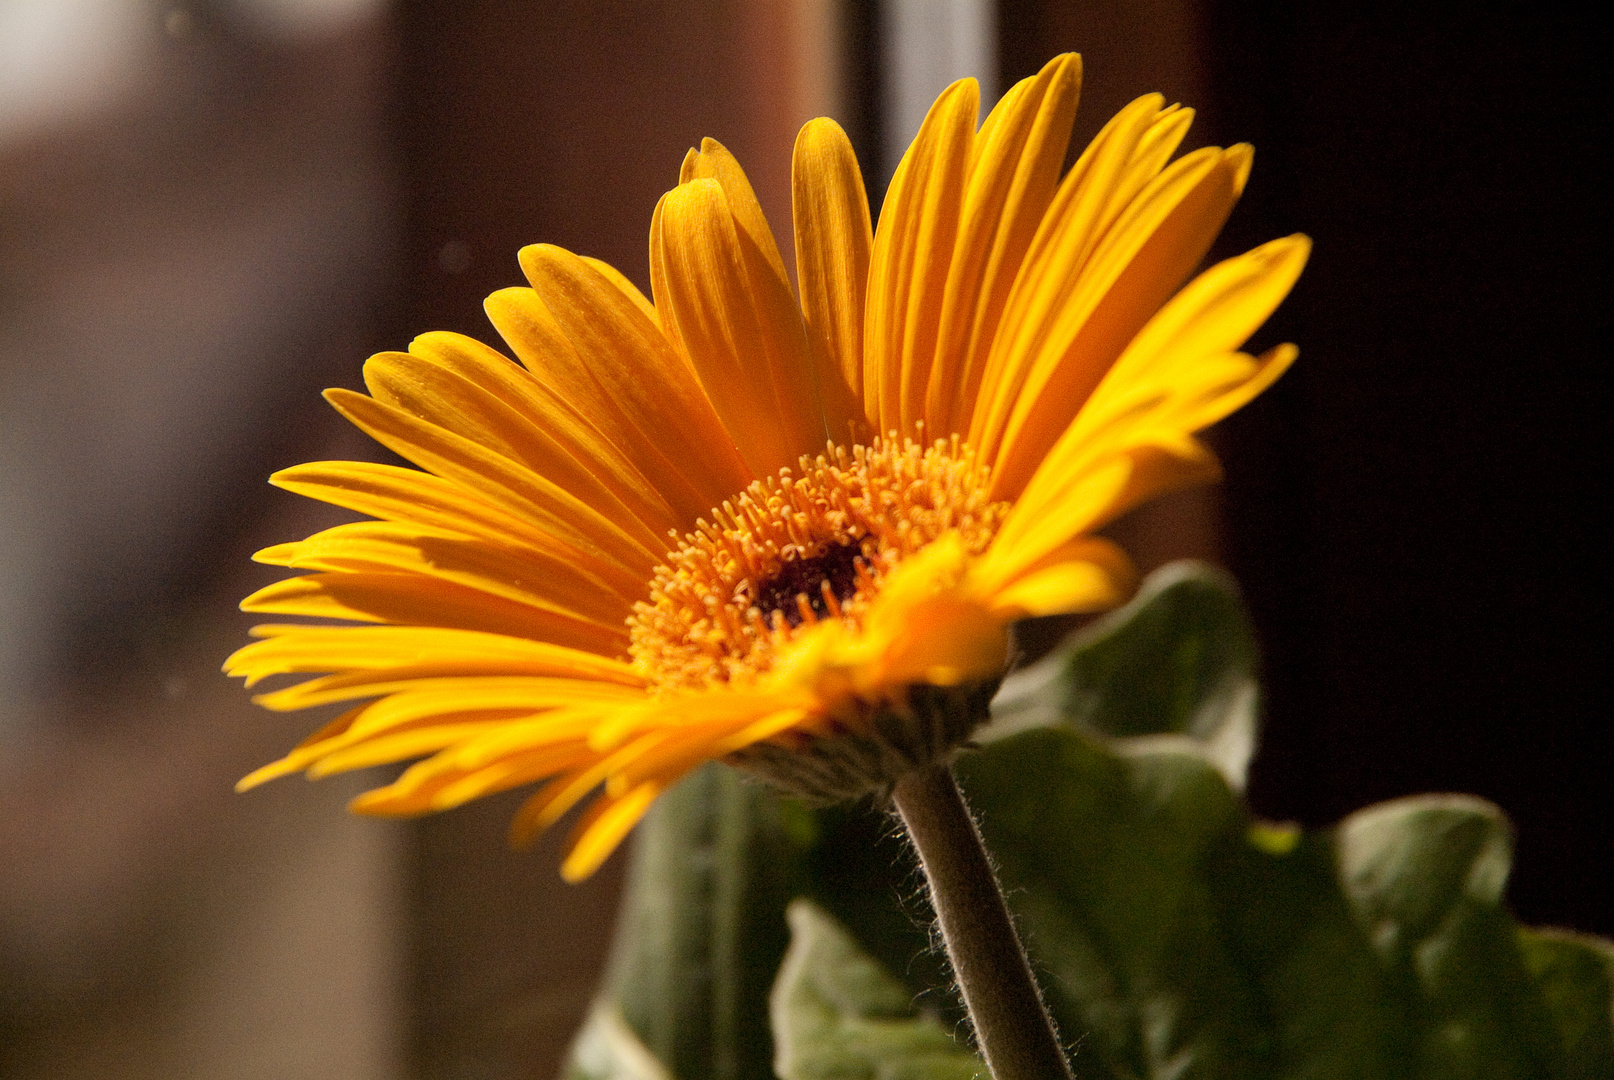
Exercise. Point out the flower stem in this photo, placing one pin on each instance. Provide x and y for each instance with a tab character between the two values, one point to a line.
1012	1026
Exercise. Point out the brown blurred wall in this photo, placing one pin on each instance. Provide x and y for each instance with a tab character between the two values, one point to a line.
196	218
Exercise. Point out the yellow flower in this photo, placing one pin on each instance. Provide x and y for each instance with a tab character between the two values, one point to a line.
731	524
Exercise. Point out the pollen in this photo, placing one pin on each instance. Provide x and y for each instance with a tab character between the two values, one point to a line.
811	543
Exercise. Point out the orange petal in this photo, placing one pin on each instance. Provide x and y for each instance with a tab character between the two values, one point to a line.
412	599
1087	573
714	162
833	238
524	576
738	325
602	351
599	833
1134	270
392	493
1019	154
595	538
1071	229
551	435
911	258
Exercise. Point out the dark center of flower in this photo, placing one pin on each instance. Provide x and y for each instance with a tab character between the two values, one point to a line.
812	543
835	567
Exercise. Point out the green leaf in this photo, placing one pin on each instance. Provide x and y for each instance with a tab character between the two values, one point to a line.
838	1015
608	1049
1425	877
1176	938
1104	857
1575	975
1324	1000
702	927
1174	668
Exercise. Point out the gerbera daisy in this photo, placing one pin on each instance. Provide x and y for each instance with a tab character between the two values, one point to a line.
787	530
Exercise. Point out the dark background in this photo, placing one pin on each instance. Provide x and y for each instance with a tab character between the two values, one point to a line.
1410	510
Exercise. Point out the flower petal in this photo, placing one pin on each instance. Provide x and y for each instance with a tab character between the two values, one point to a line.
447	373
1148	254
386	654
598	347
392	493
911	259
1062	506
1218	311
608	822
738	324
1020	150
714	162
415	599
524	576
833	238
599	542
1090	197
1082	575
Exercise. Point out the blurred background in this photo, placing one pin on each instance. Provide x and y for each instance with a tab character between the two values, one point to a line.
211	210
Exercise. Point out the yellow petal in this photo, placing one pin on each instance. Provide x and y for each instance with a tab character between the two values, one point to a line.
1086	574
1265	371
627	288
1062	505
714	162
1218	310
394	747
526	702
911	258
412	599
409	495
833	238
1019	154
604	828
435	683
599	348
304	752
947	640
739	326
699	743
1151	249
537	338
524	576
504	756
506	773
1071	229
919	628
551	802
596	539
549	434
384	651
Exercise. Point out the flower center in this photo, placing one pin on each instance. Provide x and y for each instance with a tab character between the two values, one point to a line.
823	581
812	543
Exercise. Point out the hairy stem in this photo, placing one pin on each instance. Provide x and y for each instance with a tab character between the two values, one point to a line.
1012	1027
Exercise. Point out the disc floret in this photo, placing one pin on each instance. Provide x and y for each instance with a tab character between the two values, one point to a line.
812	543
